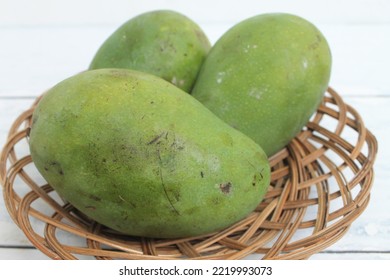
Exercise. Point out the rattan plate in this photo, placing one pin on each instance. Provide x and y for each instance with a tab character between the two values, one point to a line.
320	184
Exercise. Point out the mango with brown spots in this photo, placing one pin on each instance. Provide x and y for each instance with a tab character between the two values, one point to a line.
141	156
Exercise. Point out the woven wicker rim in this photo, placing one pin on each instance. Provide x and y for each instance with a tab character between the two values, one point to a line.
320	184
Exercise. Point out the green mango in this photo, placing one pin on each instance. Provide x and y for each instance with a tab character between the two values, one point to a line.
164	43
266	76
141	156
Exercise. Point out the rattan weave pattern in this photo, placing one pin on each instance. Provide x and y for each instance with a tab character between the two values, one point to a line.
320	184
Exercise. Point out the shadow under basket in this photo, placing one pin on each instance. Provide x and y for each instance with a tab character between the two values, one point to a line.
320	184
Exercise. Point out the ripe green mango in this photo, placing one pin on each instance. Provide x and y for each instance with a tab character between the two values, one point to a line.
266	76
164	43
141	156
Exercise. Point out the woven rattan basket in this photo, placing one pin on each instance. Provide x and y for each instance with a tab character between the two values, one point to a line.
320	184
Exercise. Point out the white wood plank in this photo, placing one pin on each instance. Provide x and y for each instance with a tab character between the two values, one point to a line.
35	59
80	12
340	255
351	256
21	254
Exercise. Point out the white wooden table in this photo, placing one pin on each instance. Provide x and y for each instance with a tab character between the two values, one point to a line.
45	42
